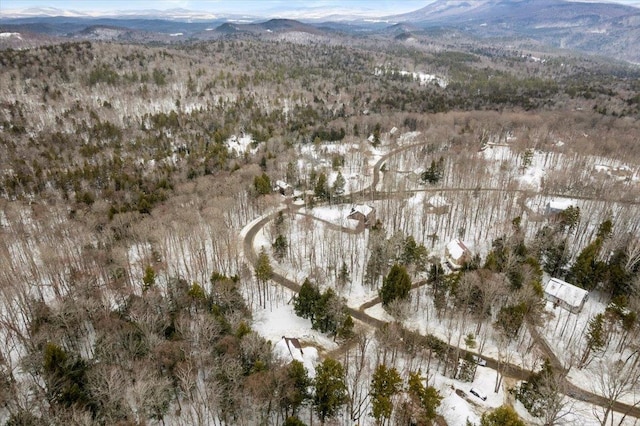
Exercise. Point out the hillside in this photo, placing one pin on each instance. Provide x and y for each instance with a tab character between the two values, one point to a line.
279	223
598	28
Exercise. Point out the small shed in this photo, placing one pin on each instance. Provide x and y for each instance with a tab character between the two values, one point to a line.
456	254
293	345
365	215
565	295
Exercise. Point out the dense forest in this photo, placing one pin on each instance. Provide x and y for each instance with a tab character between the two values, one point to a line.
129	171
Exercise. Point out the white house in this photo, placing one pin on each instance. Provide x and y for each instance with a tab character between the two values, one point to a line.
456	254
565	295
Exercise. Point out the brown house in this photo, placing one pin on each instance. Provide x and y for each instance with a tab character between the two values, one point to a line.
284	188
365	215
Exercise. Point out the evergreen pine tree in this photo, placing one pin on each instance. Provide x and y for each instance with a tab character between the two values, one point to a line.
280	246
385	384
297	392
596	338
149	278
426	400
321	189
588	271
343	275
396	285
331	389
338	184
501	416
304	305
345	330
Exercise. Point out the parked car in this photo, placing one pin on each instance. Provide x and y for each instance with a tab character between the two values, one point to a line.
480	361
476	392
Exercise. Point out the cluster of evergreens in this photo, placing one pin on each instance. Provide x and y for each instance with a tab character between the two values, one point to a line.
326	311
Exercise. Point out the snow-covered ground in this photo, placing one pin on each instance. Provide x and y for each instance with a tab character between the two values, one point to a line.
421	77
318	247
357	161
452	329
566	334
9	35
461	206
564	331
576	413
458	409
280	320
276	323
239	145
330	248
336	215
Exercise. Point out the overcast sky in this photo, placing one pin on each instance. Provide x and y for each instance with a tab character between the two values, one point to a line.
253	7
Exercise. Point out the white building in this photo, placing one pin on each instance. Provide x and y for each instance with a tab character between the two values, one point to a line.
565	295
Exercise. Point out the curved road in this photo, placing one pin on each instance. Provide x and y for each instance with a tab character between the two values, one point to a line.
509	370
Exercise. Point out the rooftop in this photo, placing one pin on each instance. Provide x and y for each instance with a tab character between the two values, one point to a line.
362	208
456	249
561	204
566	292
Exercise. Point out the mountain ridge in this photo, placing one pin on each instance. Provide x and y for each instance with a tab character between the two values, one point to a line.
607	29
459	10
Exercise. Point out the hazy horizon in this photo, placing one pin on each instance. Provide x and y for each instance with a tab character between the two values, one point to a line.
249	7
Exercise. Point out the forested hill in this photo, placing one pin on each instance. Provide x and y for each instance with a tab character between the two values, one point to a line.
131	174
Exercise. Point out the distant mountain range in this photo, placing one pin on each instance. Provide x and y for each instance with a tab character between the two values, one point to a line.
607	29
514	12
602	28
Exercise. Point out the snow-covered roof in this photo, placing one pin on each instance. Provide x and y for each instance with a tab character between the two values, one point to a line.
568	293
282	184
362	208
560	204
438	201
456	249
